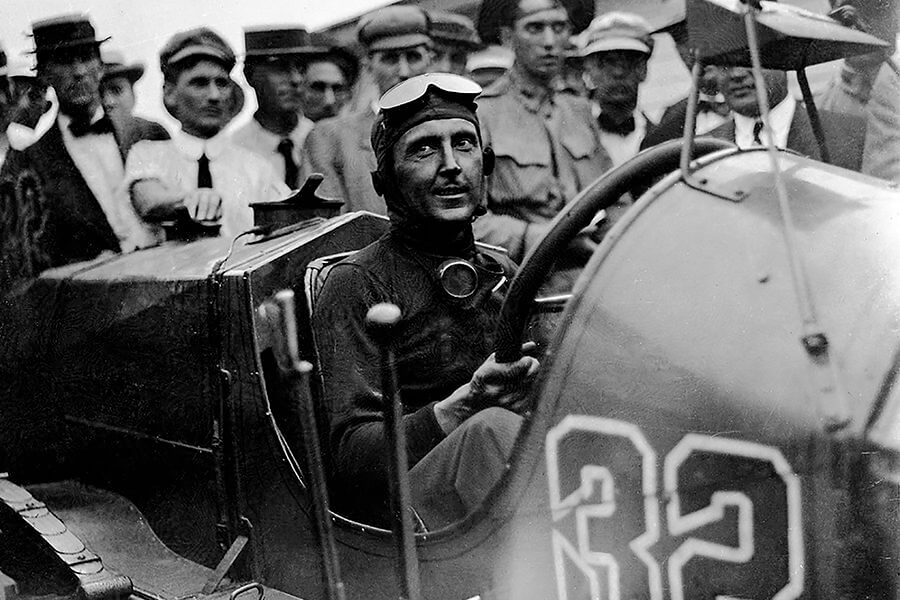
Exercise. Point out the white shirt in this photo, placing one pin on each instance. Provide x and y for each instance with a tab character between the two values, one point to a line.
97	158
263	142
238	174
622	147
780	118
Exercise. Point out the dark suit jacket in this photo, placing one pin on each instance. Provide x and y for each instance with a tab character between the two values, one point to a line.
50	217
845	136
670	126
340	149
136	129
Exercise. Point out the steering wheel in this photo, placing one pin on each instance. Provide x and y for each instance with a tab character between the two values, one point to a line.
646	166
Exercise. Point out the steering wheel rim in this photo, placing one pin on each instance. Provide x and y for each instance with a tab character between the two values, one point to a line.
575	216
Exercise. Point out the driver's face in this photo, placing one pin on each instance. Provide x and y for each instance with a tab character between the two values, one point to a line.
438	166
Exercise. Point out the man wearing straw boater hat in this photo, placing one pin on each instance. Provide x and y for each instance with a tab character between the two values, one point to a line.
62	188
273	66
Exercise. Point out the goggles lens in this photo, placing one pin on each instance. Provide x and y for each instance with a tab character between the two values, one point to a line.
415	88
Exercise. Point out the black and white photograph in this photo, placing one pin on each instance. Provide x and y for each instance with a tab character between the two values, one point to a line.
450	300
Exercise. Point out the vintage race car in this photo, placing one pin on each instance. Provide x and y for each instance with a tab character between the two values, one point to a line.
717	413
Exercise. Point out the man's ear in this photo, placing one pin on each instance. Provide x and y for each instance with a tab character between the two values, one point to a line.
169	97
488	161
377	183
506	36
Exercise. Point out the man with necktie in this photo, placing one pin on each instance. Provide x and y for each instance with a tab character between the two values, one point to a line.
59	195
788	124
200	176
273	65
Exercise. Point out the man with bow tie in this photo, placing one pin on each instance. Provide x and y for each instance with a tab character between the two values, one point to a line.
58	195
615	48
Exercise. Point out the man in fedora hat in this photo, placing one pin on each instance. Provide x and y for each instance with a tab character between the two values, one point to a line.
398	46
328	79
273	66
61	189
200	177
117	96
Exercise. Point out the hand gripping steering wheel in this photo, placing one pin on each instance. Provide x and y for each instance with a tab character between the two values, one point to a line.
646	166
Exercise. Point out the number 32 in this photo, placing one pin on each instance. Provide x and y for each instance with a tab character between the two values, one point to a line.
727	524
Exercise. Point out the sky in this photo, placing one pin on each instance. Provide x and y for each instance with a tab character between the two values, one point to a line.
140	28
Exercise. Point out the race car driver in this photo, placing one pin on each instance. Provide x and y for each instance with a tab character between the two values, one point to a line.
459	403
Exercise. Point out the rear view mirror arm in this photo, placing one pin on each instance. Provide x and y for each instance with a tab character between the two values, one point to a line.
813	113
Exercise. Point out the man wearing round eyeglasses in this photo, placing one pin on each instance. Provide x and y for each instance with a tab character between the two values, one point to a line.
546	142
459	403
398	46
328	79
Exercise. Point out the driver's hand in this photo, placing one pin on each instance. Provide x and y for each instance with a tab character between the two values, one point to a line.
492	384
204	205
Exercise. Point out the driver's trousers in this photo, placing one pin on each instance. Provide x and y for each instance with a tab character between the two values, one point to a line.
455	477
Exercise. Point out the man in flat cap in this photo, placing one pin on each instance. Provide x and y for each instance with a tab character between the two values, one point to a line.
546	142
398	46
328	78
60	192
273	66
199	179
459	404
117	97
616	47
487	65
454	38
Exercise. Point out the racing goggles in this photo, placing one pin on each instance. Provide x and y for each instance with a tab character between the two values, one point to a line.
415	88
460	279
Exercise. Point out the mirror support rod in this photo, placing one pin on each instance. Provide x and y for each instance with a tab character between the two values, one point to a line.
381	321
813	113
690	121
833	406
297	373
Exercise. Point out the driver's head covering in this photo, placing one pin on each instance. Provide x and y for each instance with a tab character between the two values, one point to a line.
427	101
434	103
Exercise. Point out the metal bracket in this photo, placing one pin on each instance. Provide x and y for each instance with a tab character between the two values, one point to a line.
702	185
229	559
